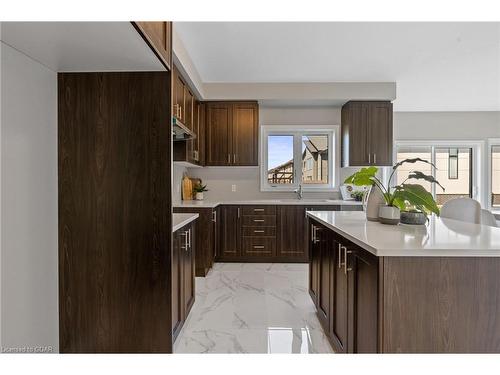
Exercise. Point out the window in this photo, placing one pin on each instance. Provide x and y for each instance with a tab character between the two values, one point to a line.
302	156
494	155
456	167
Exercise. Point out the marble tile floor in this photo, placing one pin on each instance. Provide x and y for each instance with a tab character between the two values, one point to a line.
253	308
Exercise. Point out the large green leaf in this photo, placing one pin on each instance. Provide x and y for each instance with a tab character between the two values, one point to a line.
416	195
363	177
412	161
417	175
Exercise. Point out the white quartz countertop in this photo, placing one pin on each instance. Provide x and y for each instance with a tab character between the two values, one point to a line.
440	237
299	202
179	220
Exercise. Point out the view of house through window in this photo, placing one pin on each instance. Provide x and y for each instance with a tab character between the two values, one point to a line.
314	159
298	158
280	159
453	170
495	176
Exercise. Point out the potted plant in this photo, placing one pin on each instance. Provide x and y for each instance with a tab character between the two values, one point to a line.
358	195
403	197
199	189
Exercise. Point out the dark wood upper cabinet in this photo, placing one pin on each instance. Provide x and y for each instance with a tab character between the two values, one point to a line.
188	108
367	134
178	96
158	35
231	133
245	134
218	145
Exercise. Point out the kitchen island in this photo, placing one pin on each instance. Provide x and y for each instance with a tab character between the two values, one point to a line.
408	289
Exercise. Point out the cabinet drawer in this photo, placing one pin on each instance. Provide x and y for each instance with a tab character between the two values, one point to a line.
259	232
258	210
259	220
258	246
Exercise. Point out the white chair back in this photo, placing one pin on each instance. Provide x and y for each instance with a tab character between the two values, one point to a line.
463	209
487	218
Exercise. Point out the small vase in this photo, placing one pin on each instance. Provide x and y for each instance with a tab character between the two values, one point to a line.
373	199
199	196
389	215
413	218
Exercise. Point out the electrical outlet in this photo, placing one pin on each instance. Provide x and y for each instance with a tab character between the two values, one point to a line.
233	188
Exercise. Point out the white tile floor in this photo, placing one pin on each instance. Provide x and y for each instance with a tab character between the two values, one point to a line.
253	308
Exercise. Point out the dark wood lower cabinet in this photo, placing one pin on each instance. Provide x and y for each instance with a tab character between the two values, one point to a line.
206	241
370	304
183	275
229	233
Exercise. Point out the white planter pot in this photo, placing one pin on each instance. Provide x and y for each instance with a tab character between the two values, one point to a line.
373	199
389	215
199	196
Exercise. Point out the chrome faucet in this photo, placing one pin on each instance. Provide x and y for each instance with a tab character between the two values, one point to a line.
299	191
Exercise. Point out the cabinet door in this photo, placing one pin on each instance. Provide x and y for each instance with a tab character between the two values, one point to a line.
324	277
159	36
380	133
217	142
230	232
339	300
314	252
188	271
178	240
201	133
355	151
245	134
178	96
291	227
189	109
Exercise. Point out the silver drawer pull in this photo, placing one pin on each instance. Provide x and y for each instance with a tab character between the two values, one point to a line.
258	247
258	209
258	220
258	231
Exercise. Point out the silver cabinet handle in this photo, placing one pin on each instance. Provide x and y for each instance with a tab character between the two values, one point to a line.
228	158
374	158
185	234
369	158
238	212
234	158
340	255
258	247
214	216
258	209
258	220
345	260
189	238
258	231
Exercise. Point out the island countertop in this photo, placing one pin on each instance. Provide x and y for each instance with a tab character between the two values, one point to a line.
277	202
439	238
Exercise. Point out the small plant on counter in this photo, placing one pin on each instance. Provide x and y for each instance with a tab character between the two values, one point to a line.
404	196
198	190
358	195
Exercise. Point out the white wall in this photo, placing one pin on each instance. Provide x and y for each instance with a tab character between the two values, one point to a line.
29	276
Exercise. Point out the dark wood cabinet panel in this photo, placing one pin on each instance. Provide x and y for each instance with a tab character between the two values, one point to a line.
218	134
380	133
245	130
324	277
188	108
188	271
314	255
366	134
340	301
178	95
115	237
205	236
291	228
177	241
158	35
258	246
258	210
229	232
259	220
258	231
231	133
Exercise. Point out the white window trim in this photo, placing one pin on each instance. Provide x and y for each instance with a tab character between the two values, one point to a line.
490	142
479	174
334	157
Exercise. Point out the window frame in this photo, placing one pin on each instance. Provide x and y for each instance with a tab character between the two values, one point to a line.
478	161
332	131
490	143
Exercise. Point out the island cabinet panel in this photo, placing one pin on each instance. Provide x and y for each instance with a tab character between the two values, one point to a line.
340	302
441	305
205	236
322	236
314	263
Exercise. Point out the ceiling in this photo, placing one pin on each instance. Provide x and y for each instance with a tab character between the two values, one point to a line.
436	66
82	46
